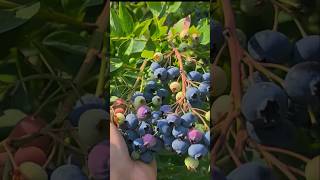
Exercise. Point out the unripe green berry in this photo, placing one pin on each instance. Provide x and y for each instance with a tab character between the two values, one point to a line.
191	163
139	101
179	95
175	87
120	118
156	100
158	56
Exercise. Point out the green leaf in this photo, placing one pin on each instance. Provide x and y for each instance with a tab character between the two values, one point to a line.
67	41
115	64
11	117
6	78
147	54
178	27
141	28
125	18
135	46
13	19
174	7
204	29
115	24
155	8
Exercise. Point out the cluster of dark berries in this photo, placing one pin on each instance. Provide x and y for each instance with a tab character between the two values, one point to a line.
34	159
151	121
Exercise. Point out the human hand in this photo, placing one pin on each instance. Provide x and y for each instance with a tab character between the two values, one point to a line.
122	166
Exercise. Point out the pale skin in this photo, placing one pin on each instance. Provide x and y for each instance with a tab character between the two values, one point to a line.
121	164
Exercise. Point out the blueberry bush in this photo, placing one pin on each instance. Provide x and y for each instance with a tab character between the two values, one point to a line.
160	84
53	113
266	77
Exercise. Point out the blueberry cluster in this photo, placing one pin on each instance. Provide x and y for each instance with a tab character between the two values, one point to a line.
151	123
278	110
275	47
150	130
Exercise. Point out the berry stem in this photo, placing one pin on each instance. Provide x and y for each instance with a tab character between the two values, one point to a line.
235	51
139	77
219	54
281	166
276	14
233	156
288	11
283	151
102	75
51	155
249	60
183	75
8	151
276	66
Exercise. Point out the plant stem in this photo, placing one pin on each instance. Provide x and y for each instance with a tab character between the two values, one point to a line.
248	59
283	151
183	74
139	77
102	73
296	21
277	66
236	52
276	14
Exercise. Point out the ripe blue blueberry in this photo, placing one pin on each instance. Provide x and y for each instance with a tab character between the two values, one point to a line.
167	140
131	121
154	66
179	131
264	104
161	73
131	135
252	171
204	88
163	93
206	138
302	83
163	127
144	128
147	157
188	119
165	109
270	46
197	151
151	87
180	146
173	73
195	76
173	119
193	94
307	49
206	77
